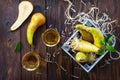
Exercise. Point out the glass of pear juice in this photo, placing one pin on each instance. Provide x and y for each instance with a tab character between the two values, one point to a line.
31	61
50	37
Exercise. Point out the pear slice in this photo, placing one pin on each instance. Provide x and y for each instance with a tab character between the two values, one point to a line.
25	9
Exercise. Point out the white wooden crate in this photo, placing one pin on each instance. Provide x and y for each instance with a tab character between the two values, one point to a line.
87	67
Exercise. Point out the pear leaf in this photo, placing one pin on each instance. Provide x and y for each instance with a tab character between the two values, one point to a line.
109	38
110	48
101	52
102	42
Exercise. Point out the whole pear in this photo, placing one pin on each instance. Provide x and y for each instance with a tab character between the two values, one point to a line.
83	46
81	57
37	20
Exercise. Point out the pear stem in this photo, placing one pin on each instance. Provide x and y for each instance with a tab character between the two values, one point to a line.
32	48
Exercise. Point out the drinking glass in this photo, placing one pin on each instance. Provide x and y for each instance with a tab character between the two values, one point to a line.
31	61
50	37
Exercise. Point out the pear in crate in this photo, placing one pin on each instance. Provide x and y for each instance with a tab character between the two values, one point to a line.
95	32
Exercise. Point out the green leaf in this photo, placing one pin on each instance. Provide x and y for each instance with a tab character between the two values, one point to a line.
18	47
102	42
110	48
101	52
110	38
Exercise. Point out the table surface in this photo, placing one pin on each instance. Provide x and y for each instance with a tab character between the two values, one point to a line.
62	66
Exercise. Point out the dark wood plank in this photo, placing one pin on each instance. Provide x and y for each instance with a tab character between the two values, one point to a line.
10	67
51	14
55	17
41	73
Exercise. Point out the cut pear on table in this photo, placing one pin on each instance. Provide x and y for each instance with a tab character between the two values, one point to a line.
25	9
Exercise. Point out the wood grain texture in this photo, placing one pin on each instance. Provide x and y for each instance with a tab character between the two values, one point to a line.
10	62
39	6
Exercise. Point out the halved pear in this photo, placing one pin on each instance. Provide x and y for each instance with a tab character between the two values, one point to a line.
25	9
95	32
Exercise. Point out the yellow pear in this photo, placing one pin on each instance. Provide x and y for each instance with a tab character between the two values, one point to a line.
81	57
85	57
83	46
86	36
95	32
37	20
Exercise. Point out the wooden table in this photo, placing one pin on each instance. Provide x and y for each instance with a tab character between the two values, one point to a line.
10	61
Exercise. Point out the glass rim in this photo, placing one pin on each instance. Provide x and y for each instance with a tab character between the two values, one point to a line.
52	45
37	56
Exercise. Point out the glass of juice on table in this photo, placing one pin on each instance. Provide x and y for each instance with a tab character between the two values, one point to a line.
50	37
31	61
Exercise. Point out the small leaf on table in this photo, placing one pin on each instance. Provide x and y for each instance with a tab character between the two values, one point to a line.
18	47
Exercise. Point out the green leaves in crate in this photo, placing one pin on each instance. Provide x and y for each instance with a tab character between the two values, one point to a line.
109	38
101	52
102	42
111	48
107	45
